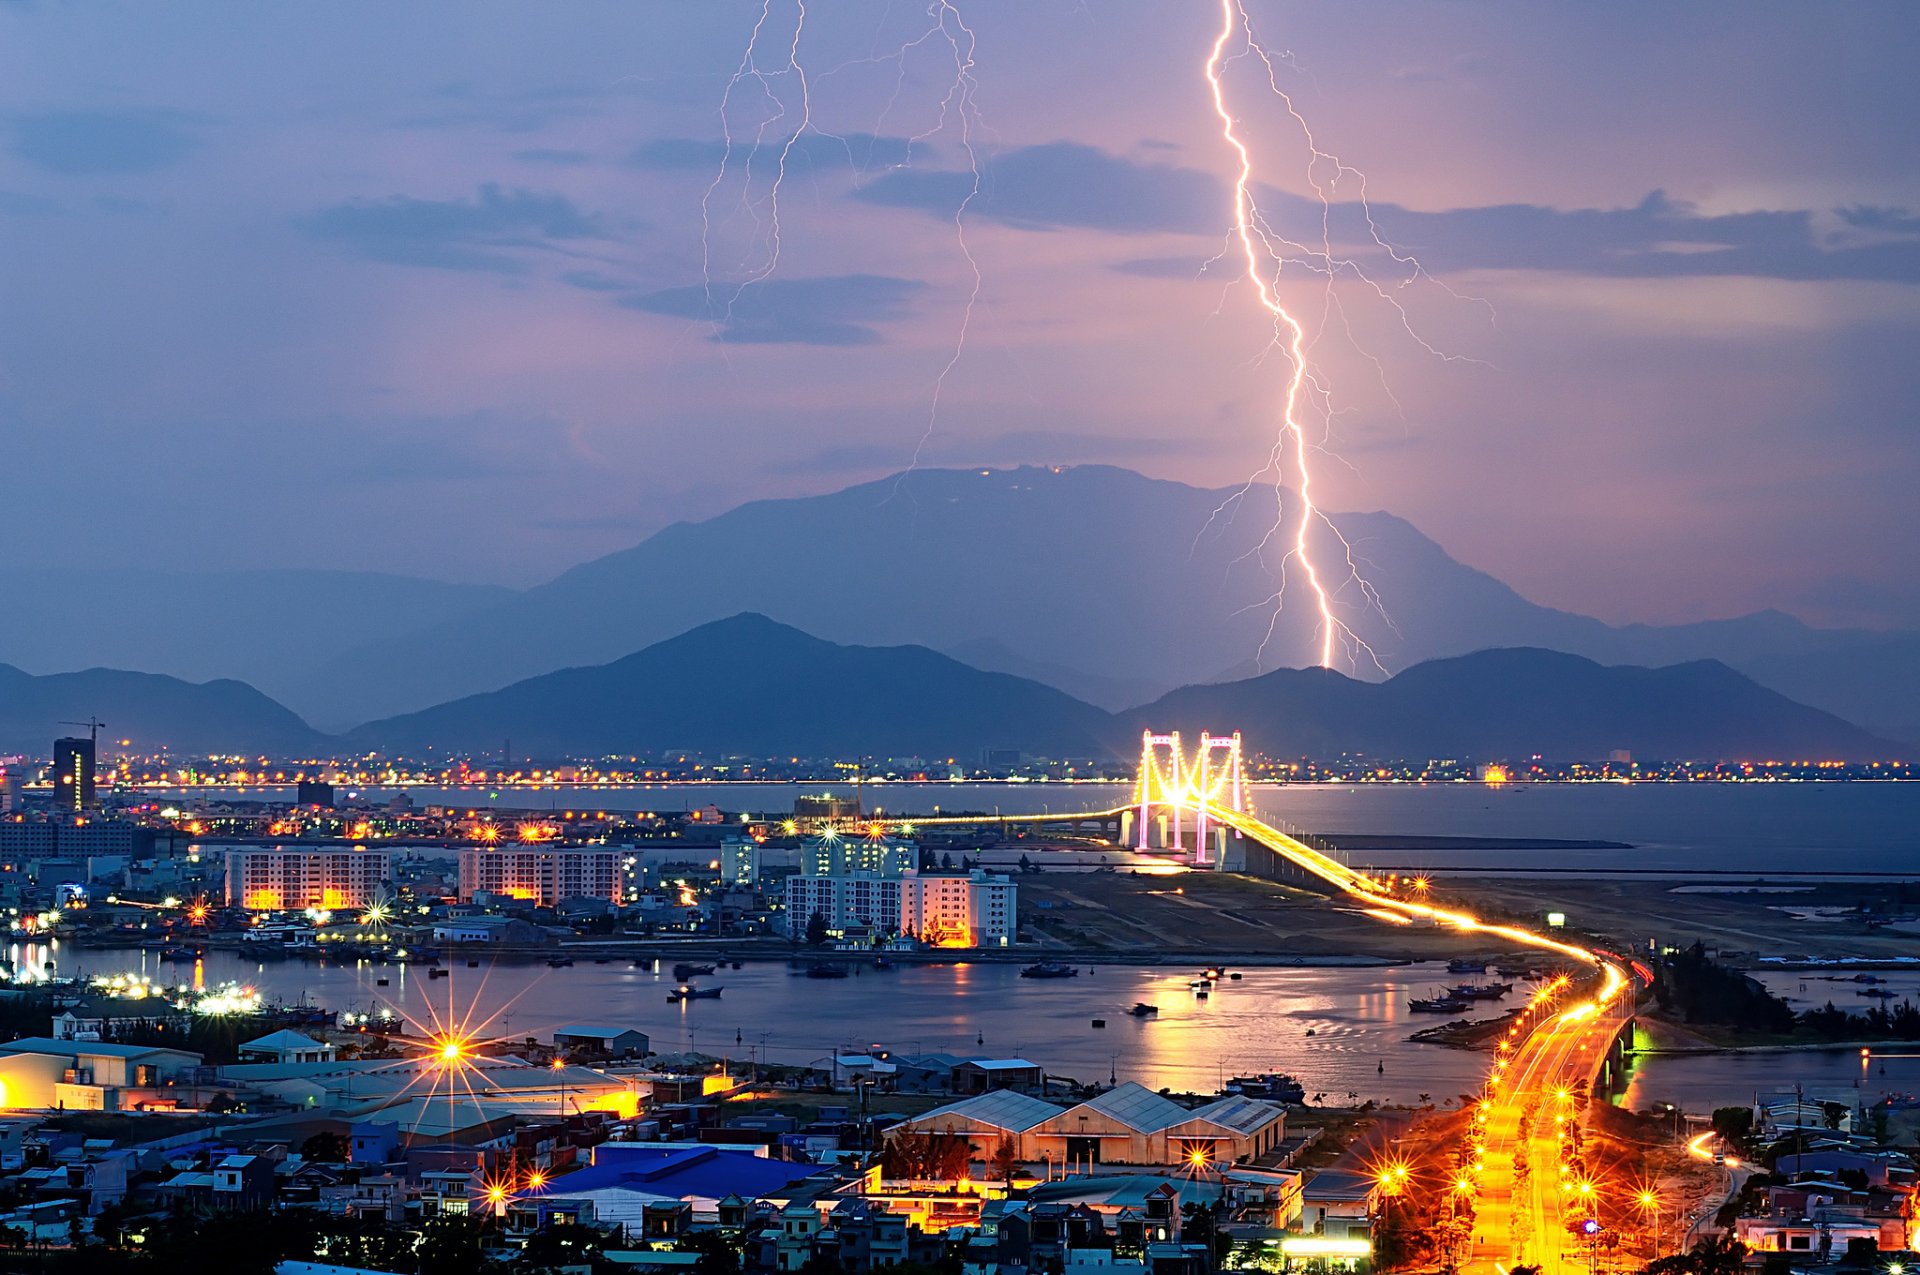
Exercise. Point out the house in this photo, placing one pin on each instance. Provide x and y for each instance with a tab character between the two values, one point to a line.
1338	1205
286	1047
617	1042
982	1075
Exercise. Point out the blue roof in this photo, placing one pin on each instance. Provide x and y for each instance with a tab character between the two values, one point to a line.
681	1171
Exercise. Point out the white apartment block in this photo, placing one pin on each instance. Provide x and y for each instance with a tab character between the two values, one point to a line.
544	875
838	856
972	911
277	878
976	910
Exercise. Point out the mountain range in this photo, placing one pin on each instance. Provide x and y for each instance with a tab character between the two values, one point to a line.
152	711
1107	585
747	685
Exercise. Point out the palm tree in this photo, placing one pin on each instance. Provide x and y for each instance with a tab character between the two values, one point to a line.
1719	1254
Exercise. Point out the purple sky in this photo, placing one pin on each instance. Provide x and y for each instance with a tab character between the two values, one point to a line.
419	288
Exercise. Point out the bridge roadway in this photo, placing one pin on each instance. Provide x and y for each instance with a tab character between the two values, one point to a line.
1560	1057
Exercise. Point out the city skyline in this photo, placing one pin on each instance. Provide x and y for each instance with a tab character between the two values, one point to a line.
342	291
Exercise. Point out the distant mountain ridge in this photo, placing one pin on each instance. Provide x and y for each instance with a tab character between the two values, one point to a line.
1516	703
1108	584
153	711
750	686
1105	584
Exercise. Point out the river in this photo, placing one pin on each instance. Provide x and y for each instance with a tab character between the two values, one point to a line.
1342	1031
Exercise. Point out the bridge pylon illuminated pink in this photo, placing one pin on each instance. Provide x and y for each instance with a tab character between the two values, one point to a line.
1212	777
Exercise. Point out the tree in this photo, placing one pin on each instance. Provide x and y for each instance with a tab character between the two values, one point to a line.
1006	1157
817	930
450	1245
719	1254
1733	1124
327	1147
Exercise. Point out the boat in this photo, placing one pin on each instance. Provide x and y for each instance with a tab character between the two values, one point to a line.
1200	994
381	982
683	971
1143	1010
883	962
1276	1087
473	965
1479	991
1214	973
1463	965
434	971
1099	1022
1235	976
559	962
684	993
1437	1005
1878	993
1512	971
1200	984
178	954
1050	969
826	971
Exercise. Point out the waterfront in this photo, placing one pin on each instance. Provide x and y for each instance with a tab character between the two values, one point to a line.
1672	827
1358	1018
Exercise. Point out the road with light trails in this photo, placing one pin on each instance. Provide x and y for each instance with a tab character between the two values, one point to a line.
1560	1054
1526	1222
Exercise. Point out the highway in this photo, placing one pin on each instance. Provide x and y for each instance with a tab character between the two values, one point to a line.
1536	1089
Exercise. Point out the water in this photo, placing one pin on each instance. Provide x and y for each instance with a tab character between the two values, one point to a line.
1358	1016
1762	827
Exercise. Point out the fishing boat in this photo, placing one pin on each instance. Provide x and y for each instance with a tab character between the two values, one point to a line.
559	962
826	971
684	971
1437	1005
1479	991
1465	965
1143	1010
685	993
434	971
1274	1086
1050	969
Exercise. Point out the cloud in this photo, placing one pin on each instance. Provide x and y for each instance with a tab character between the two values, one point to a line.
1656	238
453	234
834	310
80	143
855	152
1064	185
552	158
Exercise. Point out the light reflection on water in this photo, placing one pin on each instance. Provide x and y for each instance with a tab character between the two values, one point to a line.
1358	1019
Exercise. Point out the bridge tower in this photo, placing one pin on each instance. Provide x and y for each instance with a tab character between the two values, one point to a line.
1211	777
1159	787
1224	785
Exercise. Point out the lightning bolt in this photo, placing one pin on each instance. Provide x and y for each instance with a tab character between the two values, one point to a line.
1265	251
783	126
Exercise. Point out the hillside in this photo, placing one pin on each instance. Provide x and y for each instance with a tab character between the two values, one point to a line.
746	685
1513	704
1097	580
152	711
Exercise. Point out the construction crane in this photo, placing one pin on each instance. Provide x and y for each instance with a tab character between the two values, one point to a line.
93	726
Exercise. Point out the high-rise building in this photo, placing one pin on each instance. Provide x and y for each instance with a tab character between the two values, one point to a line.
543	875
977	909
73	774
837	856
283	878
